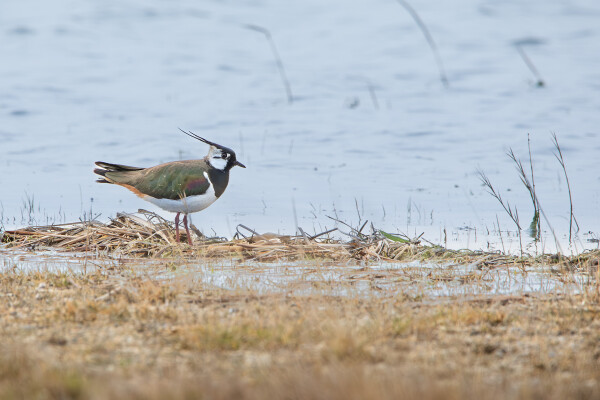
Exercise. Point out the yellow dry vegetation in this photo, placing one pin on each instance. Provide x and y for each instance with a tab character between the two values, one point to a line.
121	334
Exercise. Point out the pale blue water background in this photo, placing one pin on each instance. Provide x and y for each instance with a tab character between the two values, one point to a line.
82	81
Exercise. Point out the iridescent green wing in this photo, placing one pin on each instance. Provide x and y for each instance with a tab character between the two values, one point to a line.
173	180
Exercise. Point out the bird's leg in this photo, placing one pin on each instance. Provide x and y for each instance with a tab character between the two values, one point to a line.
177	228
187	230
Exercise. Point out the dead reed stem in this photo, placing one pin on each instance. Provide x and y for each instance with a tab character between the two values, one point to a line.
149	235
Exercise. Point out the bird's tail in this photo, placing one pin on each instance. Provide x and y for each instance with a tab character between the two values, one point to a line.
108	167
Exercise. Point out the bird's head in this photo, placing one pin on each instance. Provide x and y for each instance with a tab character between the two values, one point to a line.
220	157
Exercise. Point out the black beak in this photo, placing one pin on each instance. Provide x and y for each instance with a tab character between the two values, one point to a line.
239	164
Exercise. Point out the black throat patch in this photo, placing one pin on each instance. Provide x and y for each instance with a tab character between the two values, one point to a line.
219	179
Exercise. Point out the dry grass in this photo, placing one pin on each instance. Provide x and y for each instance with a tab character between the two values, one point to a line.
149	235
115	334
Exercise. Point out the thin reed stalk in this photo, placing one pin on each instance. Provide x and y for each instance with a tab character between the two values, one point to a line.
561	161
284	79
539	81
511	211
530	186
536	203
429	38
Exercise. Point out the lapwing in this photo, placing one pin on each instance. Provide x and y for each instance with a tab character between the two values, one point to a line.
182	187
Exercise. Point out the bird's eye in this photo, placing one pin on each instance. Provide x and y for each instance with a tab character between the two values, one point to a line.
224	155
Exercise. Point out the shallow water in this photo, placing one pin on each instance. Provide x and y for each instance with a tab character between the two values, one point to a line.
415	279
372	130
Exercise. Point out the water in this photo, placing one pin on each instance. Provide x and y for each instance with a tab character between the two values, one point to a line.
372	130
415	279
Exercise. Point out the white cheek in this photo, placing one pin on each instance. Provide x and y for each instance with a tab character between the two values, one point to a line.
218	163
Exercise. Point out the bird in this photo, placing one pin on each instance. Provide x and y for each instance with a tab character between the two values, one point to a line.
181	187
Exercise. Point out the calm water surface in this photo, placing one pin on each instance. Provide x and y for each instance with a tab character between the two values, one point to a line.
372	130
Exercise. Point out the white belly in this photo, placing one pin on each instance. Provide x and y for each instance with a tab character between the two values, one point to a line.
187	205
